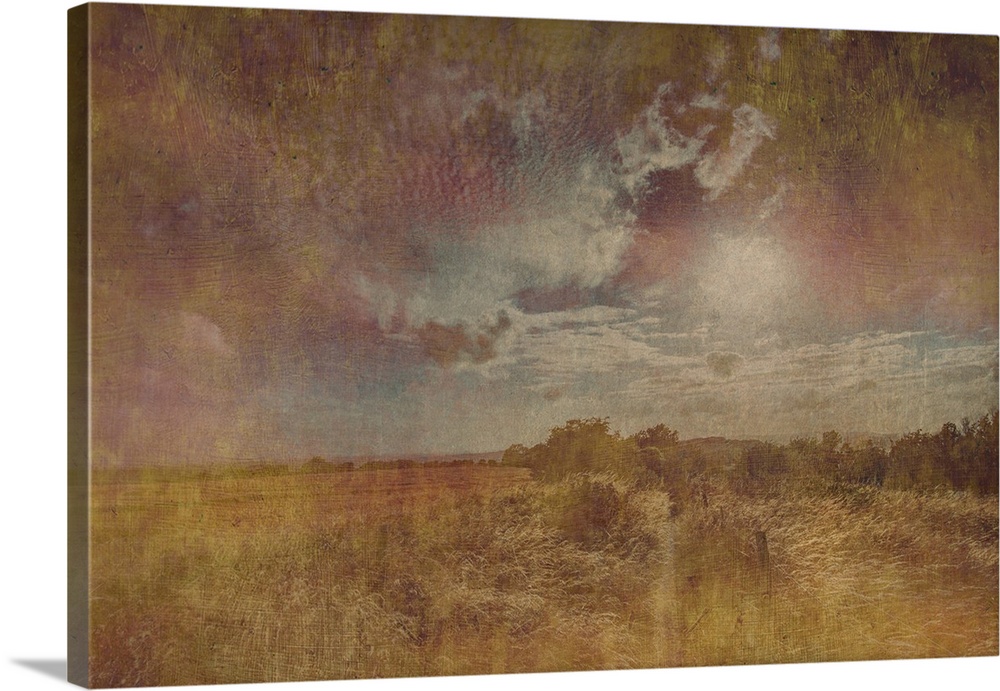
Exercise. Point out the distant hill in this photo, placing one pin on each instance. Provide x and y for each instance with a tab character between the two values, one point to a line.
420	458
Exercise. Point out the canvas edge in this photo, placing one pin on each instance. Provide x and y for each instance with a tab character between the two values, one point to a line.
78	346
78	339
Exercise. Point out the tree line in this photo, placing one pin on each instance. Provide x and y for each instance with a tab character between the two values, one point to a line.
318	464
959	457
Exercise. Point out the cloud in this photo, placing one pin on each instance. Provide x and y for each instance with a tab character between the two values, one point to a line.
382	300
577	317
202	334
767	45
451	344
773	204
572	232
717	170
708	101
573	352
654	144
723	364
599	354
873	382
553	251
883	382
475	275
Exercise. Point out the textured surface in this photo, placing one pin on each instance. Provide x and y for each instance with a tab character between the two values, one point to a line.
350	237
477	570
322	234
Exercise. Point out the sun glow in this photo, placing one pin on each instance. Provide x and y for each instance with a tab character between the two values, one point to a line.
747	280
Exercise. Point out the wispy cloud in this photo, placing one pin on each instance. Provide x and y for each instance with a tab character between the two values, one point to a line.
768	46
891	381
655	144
717	170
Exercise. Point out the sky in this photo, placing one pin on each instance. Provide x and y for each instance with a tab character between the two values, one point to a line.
330	234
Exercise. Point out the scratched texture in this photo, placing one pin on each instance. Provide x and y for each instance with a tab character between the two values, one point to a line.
341	236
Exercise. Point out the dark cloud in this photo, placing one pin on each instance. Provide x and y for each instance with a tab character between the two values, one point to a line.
540	299
724	364
450	344
553	394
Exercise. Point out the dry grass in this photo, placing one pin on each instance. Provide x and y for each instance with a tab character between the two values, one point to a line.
849	575
474	569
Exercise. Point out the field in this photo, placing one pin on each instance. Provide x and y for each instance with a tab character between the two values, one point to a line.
225	577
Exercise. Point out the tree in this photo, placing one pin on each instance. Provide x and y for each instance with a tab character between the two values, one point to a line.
516	456
586	445
660	437
985	466
762	459
865	466
580	445
912	461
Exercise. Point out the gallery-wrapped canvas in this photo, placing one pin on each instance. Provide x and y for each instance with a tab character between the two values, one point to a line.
411	345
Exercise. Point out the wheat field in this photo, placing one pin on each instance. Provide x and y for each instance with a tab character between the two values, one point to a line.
228	577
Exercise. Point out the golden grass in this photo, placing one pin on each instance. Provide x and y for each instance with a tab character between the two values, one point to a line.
856	574
430	571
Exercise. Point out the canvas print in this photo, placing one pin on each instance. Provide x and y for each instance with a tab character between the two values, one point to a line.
413	345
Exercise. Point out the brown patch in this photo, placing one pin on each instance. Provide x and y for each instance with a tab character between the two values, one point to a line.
723	364
448	344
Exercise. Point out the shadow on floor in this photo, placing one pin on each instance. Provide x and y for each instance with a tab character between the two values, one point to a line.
50	668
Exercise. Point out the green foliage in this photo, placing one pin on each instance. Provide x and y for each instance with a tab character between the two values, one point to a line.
962	459
659	437
803	454
914	462
959	458
956	457
830	442
579	446
764	459
517	456
867	466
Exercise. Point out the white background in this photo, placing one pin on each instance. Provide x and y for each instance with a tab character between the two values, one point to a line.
33	335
